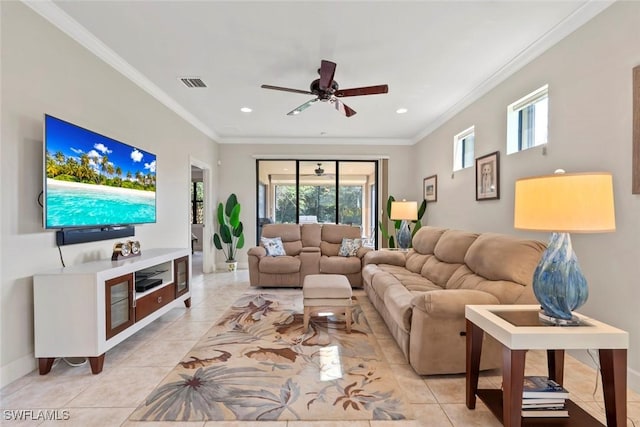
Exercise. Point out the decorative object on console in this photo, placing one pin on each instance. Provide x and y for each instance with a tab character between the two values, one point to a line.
230	231
488	177
563	203
125	249
404	211
430	188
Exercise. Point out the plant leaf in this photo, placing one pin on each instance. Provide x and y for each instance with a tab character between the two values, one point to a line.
232	201
422	209
234	217
225	233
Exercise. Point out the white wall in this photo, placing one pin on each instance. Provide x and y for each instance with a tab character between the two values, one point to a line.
590	123
44	71
237	173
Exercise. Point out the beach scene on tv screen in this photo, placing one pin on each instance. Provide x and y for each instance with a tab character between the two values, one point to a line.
94	180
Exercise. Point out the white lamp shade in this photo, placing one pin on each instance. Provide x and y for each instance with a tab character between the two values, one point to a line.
565	203
404	210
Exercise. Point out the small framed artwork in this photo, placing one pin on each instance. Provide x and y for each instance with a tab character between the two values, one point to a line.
430	188
488	177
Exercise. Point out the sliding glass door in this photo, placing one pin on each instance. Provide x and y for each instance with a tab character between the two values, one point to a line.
318	191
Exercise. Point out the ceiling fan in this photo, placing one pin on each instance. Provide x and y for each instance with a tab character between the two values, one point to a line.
327	90
319	172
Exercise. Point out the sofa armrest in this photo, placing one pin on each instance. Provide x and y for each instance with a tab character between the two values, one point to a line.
362	251
311	249
384	257
257	251
450	303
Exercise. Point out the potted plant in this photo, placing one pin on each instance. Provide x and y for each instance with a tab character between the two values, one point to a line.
230	236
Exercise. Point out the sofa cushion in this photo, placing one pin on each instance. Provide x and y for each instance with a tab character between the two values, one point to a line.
334	233
349	247
453	245
415	261
287	232
437	271
280	265
339	265
293	248
273	246
501	257
425	239
311	235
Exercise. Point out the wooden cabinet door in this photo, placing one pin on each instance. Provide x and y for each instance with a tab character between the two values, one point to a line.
181	275
119	304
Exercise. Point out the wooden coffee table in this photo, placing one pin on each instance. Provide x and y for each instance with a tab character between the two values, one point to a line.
518	329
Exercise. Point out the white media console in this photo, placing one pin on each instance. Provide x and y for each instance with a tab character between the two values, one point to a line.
86	309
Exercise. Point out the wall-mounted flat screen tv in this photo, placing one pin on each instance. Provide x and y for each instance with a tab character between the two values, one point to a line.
92	180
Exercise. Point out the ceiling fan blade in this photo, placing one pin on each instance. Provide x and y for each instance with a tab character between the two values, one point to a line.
367	90
286	89
327	71
343	108
303	107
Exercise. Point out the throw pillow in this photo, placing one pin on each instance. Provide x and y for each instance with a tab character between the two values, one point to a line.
273	246
350	247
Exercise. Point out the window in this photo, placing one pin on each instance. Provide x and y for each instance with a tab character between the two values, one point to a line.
318	191
527	121
197	202
463	151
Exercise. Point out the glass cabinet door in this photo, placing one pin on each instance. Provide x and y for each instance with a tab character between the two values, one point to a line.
119	304
181	275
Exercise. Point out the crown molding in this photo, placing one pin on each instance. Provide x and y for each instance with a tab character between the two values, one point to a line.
60	19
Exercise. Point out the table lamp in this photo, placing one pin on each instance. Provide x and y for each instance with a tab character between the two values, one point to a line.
404	211
563	203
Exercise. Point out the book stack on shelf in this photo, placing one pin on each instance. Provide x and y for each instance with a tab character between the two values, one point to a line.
542	397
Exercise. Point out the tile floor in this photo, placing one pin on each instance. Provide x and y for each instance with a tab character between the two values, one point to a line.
134	367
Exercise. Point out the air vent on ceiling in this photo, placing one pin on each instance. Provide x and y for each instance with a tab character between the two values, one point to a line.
192	82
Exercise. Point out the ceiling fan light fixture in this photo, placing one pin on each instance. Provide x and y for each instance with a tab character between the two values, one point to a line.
319	171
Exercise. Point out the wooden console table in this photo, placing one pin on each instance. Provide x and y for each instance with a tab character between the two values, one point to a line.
86	309
518	329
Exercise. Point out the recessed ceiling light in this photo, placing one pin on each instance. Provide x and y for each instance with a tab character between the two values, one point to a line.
246	110
401	110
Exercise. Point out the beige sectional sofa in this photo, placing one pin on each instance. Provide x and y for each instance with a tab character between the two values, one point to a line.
421	294
310	249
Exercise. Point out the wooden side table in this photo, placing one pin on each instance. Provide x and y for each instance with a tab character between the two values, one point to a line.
518	329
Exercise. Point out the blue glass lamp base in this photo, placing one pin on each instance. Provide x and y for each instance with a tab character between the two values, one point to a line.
404	235
558	282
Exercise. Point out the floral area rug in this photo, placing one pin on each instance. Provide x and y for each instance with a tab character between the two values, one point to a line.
257	363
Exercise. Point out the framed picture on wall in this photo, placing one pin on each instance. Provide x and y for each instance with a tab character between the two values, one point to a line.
430	188
488	177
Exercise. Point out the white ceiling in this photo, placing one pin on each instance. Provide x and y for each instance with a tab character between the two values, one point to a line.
436	57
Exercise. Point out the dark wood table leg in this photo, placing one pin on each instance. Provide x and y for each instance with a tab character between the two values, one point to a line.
613	367
474	349
96	364
45	364
187	302
512	381
555	363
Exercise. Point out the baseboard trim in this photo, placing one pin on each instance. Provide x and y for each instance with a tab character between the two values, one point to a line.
17	369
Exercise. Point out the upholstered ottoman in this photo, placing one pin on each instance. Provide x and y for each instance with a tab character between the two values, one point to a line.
326	292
